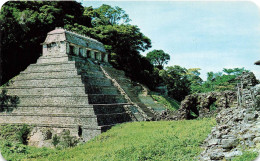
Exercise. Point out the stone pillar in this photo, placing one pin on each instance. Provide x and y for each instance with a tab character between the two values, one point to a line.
67	48
106	57
63	47
76	50
44	49
99	56
84	52
92	54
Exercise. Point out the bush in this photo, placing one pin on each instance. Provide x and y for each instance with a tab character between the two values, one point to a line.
55	140
65	140
15	133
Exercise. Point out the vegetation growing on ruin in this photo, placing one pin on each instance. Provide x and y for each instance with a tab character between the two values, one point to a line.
162	140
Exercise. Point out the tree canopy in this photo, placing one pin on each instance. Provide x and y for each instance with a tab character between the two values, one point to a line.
158	58
107	15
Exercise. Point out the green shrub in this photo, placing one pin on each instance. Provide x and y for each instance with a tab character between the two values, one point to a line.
65	140
55	140
15	133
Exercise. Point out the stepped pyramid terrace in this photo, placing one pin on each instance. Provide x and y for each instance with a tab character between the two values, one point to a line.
73	87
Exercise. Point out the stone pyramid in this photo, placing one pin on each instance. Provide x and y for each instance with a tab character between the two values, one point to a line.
73	87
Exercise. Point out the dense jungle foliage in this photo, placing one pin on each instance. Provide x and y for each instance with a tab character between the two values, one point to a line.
25	24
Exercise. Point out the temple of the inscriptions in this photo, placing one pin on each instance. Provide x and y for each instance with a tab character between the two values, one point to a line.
73	87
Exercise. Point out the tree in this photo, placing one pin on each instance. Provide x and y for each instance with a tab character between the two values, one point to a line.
107	15
193	76
177	82
220	81
158	58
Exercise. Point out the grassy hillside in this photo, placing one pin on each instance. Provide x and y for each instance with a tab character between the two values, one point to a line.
162	140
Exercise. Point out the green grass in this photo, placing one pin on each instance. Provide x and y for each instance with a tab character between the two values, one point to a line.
168	102
246	156
162	140
17	151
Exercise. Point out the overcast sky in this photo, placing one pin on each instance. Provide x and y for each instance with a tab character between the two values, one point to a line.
206	35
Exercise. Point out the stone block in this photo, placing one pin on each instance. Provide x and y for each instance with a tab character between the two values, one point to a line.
229	143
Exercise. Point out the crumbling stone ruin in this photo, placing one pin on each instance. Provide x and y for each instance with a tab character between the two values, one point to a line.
72	87
200	104
238	128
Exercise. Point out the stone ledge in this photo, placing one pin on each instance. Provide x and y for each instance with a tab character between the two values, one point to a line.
53	63
58	125
55	70
47	78
48	115
34	87
37	96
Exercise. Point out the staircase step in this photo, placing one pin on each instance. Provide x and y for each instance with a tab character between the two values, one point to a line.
25	90
50	59
49	82
45	67
86	74
101	90
108	119
48	118
46	100
92	81
85	66
53	74
105	99
87	110
109	108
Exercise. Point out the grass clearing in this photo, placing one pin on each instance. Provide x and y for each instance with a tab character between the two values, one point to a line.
162	140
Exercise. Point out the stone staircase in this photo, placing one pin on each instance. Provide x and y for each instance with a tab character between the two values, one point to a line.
145	104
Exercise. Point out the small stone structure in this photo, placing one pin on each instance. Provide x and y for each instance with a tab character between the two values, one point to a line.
66	42
73	87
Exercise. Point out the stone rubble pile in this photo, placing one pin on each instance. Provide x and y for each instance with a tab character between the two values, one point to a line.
238	128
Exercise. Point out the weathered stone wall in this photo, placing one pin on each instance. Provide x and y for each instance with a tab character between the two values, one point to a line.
200	104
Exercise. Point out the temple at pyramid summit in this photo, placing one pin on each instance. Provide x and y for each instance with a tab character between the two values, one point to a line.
73	87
